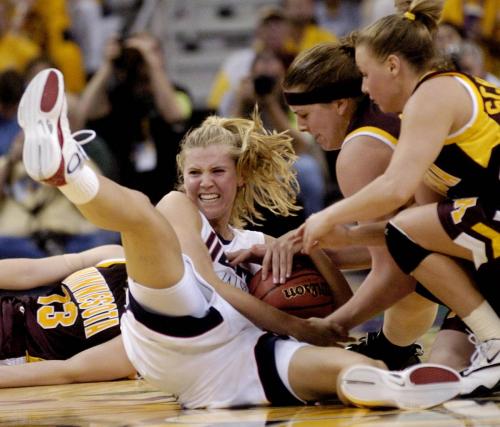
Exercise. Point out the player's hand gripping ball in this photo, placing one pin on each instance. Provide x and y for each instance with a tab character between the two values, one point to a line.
305	294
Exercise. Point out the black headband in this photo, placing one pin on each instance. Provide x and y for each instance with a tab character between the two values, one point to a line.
324	94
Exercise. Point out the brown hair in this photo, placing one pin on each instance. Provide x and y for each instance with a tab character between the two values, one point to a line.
408	33
323	64
264	160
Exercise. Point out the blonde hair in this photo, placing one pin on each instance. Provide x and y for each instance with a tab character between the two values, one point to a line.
409	33
264	160
323	64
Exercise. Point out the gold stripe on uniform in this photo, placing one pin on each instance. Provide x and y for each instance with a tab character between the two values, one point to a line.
372	130
491	234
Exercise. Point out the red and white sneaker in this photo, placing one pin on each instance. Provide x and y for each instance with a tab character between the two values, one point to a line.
417	387
50	154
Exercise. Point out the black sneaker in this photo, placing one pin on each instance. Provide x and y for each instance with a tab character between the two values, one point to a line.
376	346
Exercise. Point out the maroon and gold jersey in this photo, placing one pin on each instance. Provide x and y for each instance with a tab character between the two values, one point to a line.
469	162
370	121
66	318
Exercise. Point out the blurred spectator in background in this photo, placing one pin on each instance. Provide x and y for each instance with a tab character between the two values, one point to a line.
340	17
137	110
93	22
304	31
271	32
262	87
478	21
87	27
373	10
47	23
11	90
470	60
16	49
448	39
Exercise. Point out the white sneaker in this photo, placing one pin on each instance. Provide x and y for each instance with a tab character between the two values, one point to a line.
483	375
50	154
420	386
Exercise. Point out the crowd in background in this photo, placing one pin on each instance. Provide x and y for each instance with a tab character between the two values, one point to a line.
119	86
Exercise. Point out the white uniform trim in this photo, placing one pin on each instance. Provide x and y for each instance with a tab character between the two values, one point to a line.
14	361
217	248
214	369
373	135
475	109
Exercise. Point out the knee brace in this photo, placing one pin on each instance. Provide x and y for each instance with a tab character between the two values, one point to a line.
406	253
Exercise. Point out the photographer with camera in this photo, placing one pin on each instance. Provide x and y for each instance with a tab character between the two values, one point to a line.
132	104
263	88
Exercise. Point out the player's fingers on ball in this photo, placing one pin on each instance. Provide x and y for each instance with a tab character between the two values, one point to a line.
289	264
276	267
266	263
283	266
282	257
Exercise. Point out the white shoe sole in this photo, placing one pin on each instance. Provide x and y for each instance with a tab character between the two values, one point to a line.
420	386
39	115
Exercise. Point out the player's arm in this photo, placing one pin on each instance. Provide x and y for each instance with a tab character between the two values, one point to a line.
184	217
350	258
105	362
27	273
427	121
338	284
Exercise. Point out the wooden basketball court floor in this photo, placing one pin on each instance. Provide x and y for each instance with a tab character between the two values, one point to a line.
134	403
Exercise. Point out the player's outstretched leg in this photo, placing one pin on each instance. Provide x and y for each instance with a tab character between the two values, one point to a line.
420	386
52	156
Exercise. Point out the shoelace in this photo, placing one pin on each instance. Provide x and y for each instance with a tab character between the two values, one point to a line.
478	356
372	337
419	350
85	140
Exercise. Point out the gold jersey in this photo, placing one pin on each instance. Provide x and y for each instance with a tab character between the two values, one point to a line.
469	162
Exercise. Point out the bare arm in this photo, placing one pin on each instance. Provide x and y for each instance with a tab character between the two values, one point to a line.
94	102
350	258
281	121
384	285
105	362
27	273
185	219
428	119
164	93
338	284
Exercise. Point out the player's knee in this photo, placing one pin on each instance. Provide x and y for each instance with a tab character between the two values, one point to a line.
407	253
144	212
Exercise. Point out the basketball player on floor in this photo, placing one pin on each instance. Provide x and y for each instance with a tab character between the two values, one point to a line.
209	233
178	332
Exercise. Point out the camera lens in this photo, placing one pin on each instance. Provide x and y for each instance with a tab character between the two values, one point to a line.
263	84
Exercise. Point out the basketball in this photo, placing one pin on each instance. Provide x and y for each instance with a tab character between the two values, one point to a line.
305	294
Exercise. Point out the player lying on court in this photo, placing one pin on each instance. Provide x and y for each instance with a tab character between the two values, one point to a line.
178	332
221	187
68	321
63	312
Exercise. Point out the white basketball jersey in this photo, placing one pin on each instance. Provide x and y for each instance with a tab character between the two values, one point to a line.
217	247
215	369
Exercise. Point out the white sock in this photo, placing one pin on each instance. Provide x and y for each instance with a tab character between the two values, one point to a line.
83	188
483	322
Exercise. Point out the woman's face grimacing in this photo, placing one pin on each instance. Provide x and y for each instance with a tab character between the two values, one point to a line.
211	181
